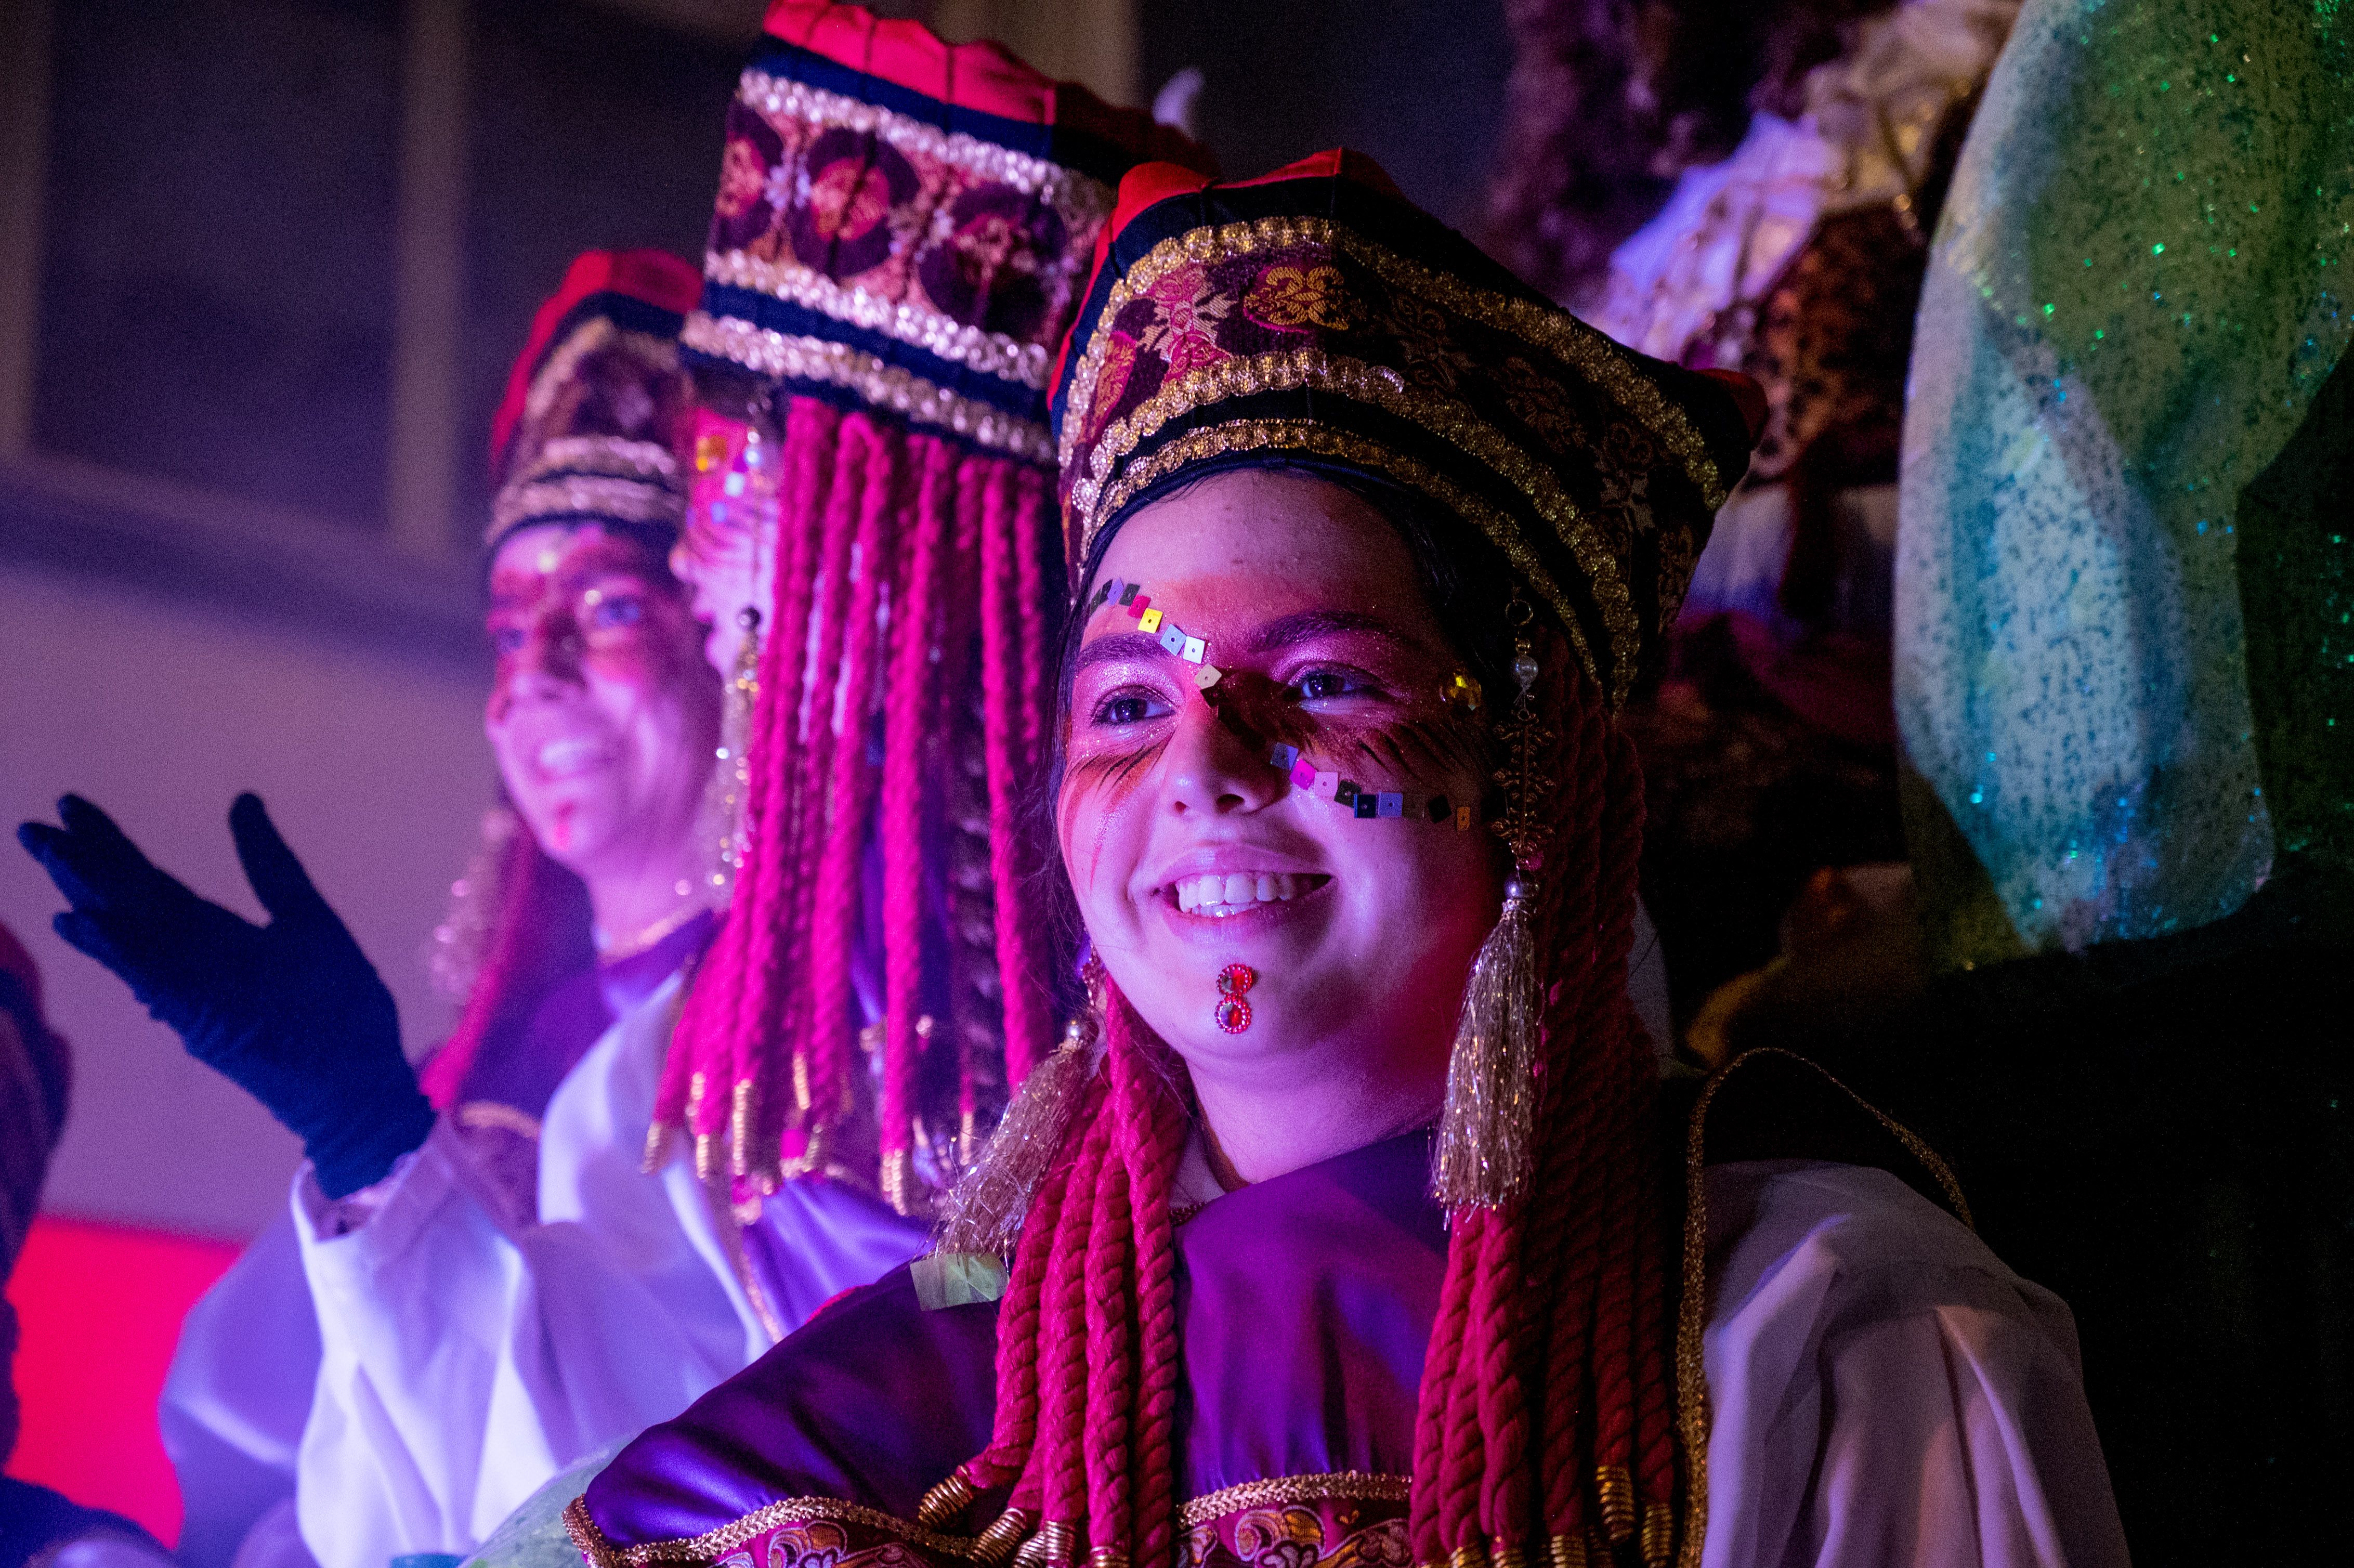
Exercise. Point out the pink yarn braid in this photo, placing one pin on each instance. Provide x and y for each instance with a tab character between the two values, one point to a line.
1154	1127
827	1041
1007	727
780	1026
1057	1465
1015	1429
908	710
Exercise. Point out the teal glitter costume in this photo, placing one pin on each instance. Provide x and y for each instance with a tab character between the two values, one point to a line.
2125	673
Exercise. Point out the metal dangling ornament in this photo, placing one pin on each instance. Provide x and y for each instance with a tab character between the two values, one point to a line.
1487	1130
983	1212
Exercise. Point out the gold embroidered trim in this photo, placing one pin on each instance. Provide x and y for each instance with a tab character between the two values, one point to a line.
887	388
993	354
659	356
1355	1485
1548	327
616	457
1323	441
1385	389
713	1544
1692	1415
1082	200
627	500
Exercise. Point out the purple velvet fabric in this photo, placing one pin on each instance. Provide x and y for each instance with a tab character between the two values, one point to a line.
572	1017
1306	1303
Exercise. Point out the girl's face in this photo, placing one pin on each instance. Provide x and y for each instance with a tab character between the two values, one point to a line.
1190	851
602	714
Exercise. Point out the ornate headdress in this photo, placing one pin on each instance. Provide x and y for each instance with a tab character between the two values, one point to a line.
594	403
902	232
1314	318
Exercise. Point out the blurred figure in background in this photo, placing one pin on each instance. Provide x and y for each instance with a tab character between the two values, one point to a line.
37	1525
1802	150
497	1289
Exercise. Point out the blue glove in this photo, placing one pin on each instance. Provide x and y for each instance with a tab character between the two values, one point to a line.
292	1012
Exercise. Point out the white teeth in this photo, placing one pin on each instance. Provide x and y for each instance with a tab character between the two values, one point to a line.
559	756
1219	893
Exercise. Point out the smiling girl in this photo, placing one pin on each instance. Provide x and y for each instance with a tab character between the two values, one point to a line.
1347	1231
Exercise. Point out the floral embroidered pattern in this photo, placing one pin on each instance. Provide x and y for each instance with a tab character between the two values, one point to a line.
964	249
1288	297
1187	313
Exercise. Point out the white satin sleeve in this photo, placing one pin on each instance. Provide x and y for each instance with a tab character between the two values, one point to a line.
1885	1393
467	1358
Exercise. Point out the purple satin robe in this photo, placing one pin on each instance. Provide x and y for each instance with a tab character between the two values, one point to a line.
1889	1395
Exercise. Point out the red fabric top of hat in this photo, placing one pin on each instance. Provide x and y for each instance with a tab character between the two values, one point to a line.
656	277
985	76
1149	185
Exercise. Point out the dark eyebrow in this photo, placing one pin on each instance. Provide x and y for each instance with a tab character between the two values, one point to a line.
1120	645
1289	631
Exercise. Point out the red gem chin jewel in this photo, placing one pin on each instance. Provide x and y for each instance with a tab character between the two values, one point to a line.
1233	1014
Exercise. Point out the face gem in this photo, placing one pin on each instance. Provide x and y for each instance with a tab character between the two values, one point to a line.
1368	804
1462	819
1111	590
1302	776
1143	602
1439	809
1193	651
1283	756
1389	805
1207	676
1345	792
1172	639
1128	595
1326	786
1149	622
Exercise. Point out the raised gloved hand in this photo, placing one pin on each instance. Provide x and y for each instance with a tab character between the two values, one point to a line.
292	1011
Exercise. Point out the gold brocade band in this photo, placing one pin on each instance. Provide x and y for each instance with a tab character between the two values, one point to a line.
887	388
1602	361
1321	440
712	1545
1013	359
1381	388
1077	198
1356	1486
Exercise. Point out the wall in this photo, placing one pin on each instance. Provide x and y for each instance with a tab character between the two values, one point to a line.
374	767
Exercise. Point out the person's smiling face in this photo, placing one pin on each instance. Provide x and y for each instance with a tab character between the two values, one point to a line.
603	716
1188	850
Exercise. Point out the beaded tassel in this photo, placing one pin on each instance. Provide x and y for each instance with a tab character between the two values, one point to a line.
1487	1130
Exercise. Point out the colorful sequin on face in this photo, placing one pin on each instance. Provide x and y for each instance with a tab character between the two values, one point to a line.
1360	802
1133	600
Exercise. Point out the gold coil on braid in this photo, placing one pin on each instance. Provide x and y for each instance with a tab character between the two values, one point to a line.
1658	1534
657	1146
1470	1555
1599	1550
1565	1551
1106	1557
946	1501
996	1543
1054	1544
1614	1489
743	1101
1508	1554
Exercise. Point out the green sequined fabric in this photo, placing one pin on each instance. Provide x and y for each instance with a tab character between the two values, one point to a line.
2105	684
533	1535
